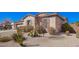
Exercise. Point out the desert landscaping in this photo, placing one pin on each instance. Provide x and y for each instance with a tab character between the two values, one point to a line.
42	30
47	40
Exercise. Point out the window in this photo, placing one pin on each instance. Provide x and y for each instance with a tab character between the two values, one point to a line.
28	22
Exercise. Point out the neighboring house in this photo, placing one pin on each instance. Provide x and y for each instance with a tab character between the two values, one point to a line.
6	25
27	20
13	26
46	20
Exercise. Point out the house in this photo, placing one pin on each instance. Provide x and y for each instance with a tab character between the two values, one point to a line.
29	20
46	20
51	20
13	25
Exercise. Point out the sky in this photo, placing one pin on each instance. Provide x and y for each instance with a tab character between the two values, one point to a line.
16	16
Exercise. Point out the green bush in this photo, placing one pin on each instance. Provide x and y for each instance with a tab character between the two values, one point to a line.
67	27
18	38
7	25
33	33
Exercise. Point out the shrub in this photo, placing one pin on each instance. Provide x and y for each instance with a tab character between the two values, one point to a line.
28	28
18	37
41	30
67	27
51	31
5	39
33	33
7	25
19	31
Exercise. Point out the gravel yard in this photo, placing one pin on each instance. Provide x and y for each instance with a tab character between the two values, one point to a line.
46	41
54	41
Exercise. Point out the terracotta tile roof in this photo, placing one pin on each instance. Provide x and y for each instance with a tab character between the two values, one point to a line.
50	15
42	15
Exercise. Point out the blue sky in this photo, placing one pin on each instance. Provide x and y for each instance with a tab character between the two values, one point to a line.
16	16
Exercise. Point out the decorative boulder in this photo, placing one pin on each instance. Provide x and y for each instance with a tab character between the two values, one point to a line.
77	33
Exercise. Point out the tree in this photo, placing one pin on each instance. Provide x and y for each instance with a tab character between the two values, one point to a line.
7	25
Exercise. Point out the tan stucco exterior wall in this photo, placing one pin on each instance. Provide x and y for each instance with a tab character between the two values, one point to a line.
31	18
45	22
59	23
53	22
56	23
